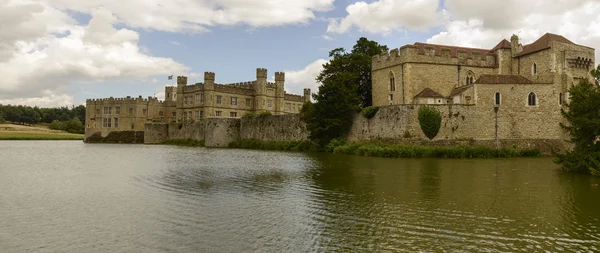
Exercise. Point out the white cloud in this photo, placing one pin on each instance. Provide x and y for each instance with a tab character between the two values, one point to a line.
48	99
43	62
327	37
297	80
477	23
384	16
199	15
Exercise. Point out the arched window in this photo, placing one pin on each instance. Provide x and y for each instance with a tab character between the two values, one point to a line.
531	99
497	98
392	82
469	78
560	98
534	68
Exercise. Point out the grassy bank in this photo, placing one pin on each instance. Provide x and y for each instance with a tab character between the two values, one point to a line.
382	149
188	143
39	136
274	145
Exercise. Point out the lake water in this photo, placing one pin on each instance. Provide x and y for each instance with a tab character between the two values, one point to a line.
67	196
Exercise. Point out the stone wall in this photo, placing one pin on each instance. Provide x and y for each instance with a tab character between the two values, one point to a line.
220	132
274	128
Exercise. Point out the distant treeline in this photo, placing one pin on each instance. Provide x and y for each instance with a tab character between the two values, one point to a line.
59	118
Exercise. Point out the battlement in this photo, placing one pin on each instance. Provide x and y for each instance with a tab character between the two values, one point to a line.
293	97
235	89
271	85
195	87
181	80
279	76
261	73
127	99
209	76
435	54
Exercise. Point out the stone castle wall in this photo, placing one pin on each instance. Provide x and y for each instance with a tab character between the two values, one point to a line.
274	128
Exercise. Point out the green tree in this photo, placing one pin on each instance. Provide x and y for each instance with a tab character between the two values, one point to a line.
583	125
596	73
355	66
336	103
430	120
74	126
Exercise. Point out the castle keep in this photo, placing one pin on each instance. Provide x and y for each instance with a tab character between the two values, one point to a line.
528	84
187	103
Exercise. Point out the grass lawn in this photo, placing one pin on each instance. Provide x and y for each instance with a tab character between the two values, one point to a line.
19	132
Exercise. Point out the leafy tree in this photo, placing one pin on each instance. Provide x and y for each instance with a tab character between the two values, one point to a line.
331	116
355	66
430	120
596	73
74	126
583	116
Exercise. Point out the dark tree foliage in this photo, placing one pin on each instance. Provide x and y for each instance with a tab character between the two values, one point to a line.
583	125
331	116
355	66
19	114
596	73
430	120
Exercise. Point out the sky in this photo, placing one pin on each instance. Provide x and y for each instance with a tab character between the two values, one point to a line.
61	52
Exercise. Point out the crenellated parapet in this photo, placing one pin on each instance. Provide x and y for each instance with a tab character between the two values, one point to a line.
435	54
128	99
233	89
293	97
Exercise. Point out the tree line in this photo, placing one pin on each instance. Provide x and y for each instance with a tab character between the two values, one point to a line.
60	118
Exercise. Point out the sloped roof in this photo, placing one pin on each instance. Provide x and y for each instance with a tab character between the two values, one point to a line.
542	43
504	44
502	79
459	90
429	93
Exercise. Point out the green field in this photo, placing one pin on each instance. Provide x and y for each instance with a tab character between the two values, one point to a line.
39	136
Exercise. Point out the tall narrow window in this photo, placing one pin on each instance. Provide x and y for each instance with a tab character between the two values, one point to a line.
497	100
560	98
116	123
531	99
392	82
534	68
469	78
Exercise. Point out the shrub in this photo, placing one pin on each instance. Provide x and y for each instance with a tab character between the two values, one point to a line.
333	144
57	125
369	112
249	115
430	120
264	114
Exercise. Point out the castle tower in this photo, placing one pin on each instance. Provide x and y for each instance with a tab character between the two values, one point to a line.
306	95
181	83
209	93
279	93
260	90
514	44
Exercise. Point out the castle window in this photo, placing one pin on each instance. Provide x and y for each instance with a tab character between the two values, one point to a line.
234	100
497	98
132	126
107	110
161	114
288	106
185	100
201	114
560	98
270	103
88	125
248	102
233	114
174	114
116	125
190	116
469	78
197	115
197	98
392	82
168	95
391	97
531	99
130	110
534	69
117	110
219	99
106	122
201	99
218	113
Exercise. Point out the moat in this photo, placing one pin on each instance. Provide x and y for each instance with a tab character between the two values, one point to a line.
67	196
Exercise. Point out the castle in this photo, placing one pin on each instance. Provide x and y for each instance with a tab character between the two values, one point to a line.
524	85
188	103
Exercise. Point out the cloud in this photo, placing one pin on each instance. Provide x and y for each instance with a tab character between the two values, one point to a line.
43	62
48	99
297	80
199	15
384	16
327	37
476	23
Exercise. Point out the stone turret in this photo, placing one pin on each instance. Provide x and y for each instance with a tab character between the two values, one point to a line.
307	95
209	93
514	44
181	83
260	90
279	98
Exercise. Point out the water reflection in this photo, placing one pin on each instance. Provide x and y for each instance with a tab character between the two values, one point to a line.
111	198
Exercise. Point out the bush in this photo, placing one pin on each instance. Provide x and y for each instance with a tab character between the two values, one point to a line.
274	145
249	115
264	114
334	144
382	149
57	125
370	111
430	120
